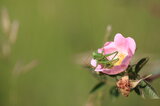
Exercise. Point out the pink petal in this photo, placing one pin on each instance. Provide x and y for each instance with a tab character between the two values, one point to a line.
99	68
128	58
131	44
100	50
109	48
115	70
107	43
121	43
126	61
93	62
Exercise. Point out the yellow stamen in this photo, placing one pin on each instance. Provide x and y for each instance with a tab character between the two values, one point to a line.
121	57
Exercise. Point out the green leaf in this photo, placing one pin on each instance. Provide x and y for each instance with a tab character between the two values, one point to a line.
143	84
137	90
97	86
140	64
114	91
149	90
131	72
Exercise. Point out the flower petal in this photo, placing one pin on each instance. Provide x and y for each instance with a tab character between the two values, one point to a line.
99	68
100	50
128	58
109	48
131	44
121	43
107	43
115	70
93	62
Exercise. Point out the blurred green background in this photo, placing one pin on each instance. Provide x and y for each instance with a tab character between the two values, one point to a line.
54	31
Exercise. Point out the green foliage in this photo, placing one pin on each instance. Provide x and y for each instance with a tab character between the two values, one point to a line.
137	91
141	63
131	72
114	92
149	90
97	86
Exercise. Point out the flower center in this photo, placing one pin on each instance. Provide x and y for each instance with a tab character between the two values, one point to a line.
121	57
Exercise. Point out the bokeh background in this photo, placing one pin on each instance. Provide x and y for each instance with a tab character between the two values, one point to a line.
52	32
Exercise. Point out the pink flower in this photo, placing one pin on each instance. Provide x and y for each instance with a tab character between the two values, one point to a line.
125	48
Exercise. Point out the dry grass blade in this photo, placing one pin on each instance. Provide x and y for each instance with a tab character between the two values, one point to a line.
20	68
13	32
5	21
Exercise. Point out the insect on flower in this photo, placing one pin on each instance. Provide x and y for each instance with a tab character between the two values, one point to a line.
114	57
